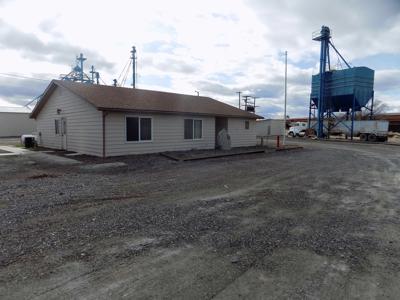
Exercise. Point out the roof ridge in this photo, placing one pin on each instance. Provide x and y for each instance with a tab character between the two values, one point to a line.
104	97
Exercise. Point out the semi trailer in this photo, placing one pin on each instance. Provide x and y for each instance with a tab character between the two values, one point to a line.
366	130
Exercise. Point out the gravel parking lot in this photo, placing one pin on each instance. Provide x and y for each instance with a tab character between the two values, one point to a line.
317	223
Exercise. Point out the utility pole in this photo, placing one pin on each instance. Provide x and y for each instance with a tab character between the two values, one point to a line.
254	99
239	98
133	57
197	92
284	117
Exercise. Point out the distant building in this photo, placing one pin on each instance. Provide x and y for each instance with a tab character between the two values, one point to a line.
393	118
110	121
15	121
270	127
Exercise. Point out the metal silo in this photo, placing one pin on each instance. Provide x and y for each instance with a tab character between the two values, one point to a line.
348	90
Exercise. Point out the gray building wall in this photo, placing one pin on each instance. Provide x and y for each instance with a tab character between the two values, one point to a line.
240	136
16	124
168	134
84	124
84	131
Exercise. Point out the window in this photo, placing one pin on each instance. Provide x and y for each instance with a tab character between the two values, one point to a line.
197	129
138	129
246	124
193	129
188	129
57	126
145	129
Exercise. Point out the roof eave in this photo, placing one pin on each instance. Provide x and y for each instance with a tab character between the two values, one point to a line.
41	102
177	113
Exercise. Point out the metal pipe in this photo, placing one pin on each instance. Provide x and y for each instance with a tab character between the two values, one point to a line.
372	106
330	43
325	36
239	98
352	116
284	116
133	57
309	115
104	133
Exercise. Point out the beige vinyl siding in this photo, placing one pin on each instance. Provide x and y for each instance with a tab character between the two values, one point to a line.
167	134
16	124
241	137
84	123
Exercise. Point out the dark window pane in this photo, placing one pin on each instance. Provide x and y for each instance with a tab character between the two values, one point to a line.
56	126
132	129
198	124
145	129
247	125
188	129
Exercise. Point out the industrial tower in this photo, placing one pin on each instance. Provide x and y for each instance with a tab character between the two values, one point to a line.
78	75
337	91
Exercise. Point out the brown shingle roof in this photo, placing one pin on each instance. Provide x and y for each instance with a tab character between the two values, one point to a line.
111	98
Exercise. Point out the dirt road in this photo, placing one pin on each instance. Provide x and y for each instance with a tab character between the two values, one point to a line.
321	223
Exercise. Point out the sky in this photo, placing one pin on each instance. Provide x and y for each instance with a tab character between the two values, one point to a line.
216	47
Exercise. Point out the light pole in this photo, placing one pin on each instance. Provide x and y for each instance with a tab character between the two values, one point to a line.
284	116
197	92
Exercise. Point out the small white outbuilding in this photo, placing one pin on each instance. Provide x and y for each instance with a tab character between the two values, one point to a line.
15	121
108	121
270	127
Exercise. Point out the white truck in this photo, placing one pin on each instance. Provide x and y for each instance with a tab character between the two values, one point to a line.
298	129
366	130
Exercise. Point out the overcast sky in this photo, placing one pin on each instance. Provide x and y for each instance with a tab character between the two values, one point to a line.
215	47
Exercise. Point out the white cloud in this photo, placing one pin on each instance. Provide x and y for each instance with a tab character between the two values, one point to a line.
217	47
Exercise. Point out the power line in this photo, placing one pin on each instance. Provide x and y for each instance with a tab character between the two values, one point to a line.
23	76
123	70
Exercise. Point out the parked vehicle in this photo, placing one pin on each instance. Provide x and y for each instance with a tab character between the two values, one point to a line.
298	129
366	130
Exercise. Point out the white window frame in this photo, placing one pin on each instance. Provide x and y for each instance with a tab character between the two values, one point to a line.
139	140
193	139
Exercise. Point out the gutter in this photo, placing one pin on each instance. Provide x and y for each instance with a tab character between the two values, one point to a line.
122	110
104	132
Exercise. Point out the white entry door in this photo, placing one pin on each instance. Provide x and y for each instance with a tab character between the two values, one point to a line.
63	132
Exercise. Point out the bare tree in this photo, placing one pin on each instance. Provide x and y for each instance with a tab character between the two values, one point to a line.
380	107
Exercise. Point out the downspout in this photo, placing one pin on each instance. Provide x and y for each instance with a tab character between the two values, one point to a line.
104	134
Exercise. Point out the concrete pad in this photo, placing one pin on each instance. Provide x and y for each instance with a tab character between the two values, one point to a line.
206	154
73	154
96	167
10	150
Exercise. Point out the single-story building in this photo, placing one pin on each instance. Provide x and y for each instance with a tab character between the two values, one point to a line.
15	121
108	121
393	118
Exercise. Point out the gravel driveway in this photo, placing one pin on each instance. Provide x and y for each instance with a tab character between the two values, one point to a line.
319	223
